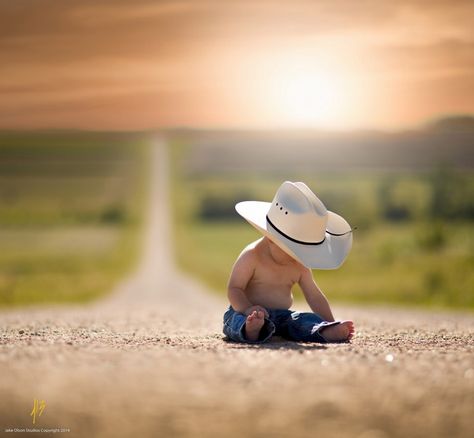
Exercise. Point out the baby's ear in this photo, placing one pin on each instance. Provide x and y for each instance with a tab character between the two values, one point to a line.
294	199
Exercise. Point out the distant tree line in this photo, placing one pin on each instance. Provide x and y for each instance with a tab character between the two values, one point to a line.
443	193
222	206
450	195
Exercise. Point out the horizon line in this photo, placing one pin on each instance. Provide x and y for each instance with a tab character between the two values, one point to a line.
428	123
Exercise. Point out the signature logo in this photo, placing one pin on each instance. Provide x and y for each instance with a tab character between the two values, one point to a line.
38	408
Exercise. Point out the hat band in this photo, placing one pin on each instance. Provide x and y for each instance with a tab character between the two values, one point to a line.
307	243
341	234
291	238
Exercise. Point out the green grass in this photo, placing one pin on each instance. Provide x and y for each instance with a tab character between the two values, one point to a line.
417	261
386	265
71	207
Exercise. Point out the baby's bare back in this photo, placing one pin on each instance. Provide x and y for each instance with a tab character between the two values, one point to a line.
271	282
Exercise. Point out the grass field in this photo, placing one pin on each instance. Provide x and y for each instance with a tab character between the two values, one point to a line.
400	255
71	208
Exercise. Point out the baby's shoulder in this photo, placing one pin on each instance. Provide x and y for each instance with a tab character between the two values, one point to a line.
251	247
248	254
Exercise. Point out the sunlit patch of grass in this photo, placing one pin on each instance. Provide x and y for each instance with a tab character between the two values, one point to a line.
71	211
57	241
59	274
209	250
408	274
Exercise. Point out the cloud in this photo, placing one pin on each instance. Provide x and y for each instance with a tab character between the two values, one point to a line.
72	52
58	30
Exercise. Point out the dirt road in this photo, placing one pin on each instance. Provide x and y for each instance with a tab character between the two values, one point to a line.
150	360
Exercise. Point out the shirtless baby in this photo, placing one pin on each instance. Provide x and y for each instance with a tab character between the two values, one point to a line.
299	234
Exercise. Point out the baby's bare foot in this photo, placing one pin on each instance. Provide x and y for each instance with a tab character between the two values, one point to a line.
340	332
253	325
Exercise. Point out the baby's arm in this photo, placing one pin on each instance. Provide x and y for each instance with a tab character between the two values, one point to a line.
315	298
241	274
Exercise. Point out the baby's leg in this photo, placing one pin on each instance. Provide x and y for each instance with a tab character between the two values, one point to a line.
253	325
310	327
252	328
337	333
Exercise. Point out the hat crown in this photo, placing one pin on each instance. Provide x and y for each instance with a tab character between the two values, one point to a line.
297	212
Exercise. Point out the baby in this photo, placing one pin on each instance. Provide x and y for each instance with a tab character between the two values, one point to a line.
299	233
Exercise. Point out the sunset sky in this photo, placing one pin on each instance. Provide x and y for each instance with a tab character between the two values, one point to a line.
140	64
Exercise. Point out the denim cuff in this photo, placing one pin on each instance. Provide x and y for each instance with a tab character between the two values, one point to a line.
265	334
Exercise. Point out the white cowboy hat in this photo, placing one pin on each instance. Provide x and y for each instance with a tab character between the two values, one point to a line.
299	223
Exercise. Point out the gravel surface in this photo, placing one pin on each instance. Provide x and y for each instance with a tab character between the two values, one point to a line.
150	360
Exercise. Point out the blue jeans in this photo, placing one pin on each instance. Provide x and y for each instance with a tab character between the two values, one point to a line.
295	326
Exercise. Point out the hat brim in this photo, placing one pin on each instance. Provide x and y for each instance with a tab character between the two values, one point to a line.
328	255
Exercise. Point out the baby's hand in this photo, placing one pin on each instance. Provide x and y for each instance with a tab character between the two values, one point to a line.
257	308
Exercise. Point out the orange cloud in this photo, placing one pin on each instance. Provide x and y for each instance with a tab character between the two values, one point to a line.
138	64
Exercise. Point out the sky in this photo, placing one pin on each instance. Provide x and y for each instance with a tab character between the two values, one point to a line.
143	64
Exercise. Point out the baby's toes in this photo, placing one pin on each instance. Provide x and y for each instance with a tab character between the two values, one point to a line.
346	329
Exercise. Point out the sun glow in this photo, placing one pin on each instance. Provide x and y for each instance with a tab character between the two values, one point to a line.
307	99
302	92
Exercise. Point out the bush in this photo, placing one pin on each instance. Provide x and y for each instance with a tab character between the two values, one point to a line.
113	215
452	195
431	237
395	204
221	207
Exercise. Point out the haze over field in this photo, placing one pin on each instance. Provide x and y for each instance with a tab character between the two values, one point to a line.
145	64
448	142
